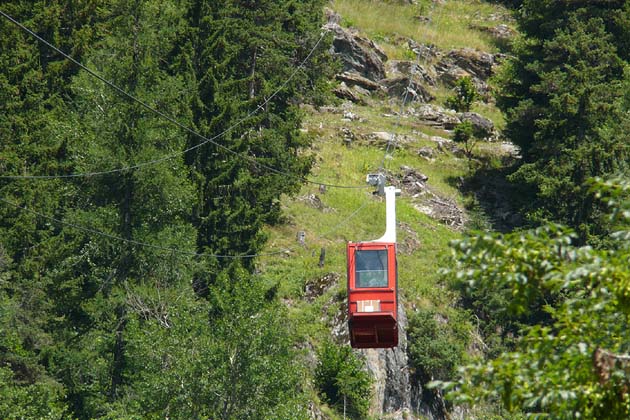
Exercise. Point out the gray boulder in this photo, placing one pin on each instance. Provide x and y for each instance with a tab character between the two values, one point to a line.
436	116
467	62
410	68
478	63
483	127
353	79
358	54
344	92
501	32
406	87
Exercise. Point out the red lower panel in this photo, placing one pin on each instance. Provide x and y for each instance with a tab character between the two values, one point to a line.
373	330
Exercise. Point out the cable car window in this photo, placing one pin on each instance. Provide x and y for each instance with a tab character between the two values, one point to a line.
371	268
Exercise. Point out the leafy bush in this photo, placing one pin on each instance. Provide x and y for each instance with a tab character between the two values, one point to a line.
41	400
436	349
464	134
340	374
465	95
575	363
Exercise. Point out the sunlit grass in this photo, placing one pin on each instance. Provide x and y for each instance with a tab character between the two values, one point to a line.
355	214
391	24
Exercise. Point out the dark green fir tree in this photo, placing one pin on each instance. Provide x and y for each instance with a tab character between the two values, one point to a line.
562	94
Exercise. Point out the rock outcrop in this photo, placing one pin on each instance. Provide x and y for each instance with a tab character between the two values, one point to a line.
500	32
483	127
435	116
344	92
477	65
407	88
358	54
392	388
354	79
411	68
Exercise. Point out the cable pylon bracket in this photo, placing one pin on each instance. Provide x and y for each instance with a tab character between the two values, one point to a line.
377	180
390	193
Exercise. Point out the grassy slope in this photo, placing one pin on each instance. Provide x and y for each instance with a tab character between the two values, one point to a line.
330	227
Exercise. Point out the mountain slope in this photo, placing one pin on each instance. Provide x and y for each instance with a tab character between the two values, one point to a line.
391	134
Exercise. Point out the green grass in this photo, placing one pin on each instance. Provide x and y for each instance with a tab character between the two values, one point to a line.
336	224
390	24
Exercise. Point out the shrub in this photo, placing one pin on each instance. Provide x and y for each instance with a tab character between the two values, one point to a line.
340	374
436	349
465	95
464	133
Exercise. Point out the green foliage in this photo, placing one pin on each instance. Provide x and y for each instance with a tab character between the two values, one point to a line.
563	98
89	322
42	400
464	133
341	378
228	359
465	95
574	363
243	55
436	348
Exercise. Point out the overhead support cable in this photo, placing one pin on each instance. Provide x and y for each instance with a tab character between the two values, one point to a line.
205	140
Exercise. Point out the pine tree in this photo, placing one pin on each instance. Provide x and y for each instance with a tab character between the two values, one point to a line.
32	92
240	54
102	285
560	92
94	320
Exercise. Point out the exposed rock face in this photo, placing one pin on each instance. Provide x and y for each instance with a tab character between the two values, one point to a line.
427	153
385	139
424	51
344	92
332	17
411	68
435	116
443	209
413	181
353	79
317	287
389	368
358	54
450	73
415	184
477	63
500	32
314	201
314	413
483	127
408	88
443	145
348	136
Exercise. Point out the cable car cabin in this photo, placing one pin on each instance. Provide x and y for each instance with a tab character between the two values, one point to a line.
372	294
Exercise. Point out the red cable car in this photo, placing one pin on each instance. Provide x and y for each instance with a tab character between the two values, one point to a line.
372	295
373	283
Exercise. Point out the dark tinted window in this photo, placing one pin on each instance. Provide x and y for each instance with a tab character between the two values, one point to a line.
371	268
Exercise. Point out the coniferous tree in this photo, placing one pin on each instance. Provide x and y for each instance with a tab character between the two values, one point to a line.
102	285
86	310
240	54
562	90
33	88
